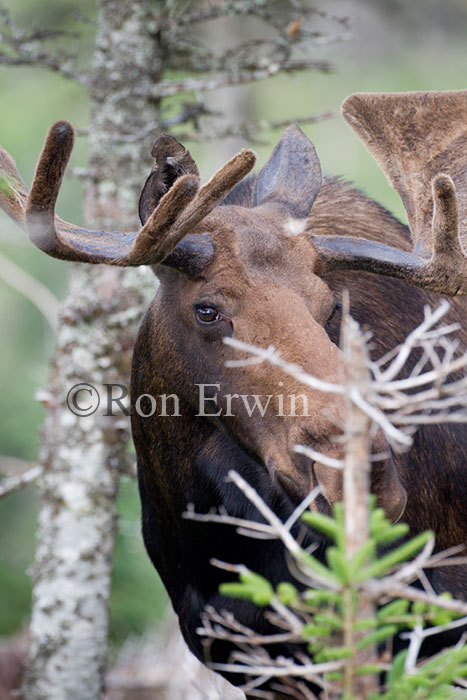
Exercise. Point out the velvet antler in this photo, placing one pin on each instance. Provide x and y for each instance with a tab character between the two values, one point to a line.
420	141
179	210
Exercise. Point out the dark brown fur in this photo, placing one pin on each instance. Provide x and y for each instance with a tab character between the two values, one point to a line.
186	459
272	261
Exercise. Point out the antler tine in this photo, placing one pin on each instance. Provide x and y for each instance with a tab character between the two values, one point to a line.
445	225
446	271
69	242
161	232
40	207
206	199
441	265
214	191
13	191
178	211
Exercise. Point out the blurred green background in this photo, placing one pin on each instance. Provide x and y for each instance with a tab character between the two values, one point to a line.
392	46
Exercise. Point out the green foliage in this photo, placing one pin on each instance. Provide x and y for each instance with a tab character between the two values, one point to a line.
287	594
16	552
325	611
431	681
251	587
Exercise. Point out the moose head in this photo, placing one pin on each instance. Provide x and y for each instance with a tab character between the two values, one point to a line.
254	259
255	267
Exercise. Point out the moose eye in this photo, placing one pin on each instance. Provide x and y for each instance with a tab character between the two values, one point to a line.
207	314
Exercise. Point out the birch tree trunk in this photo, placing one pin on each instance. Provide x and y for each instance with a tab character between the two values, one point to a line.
83	455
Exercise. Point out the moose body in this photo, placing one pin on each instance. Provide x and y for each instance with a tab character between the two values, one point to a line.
266	260
187	458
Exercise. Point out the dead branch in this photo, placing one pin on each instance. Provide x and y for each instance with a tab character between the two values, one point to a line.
20	48
33	290
419	634
370	388
230	78
15	483
248	130
393	404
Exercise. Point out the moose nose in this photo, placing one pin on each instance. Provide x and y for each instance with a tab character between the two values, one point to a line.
328	473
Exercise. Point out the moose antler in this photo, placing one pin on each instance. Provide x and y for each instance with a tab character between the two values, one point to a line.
420	141
183	206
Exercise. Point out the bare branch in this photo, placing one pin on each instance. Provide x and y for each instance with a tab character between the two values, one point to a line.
223	625
319	457
287	668
390	402
227	79
22	49
249	527
412	341
393	589
283	533
15	483
272	356
419	634
168	88
249	130
296	13
32	289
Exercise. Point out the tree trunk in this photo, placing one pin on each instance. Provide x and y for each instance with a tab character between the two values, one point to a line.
83	455
357	474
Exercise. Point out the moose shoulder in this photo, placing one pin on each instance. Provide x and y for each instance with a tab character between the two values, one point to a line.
265	260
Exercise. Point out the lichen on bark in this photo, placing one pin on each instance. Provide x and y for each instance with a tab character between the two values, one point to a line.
99	319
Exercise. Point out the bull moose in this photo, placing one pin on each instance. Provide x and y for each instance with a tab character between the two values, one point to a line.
265	259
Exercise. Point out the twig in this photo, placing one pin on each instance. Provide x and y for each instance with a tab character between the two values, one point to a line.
32	289
283	533
25	49
272	356
14	483
249	527
413	339
319	457
167	88
309	671
394	589
249	130
419	634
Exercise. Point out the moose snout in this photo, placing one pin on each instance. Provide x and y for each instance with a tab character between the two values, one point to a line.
328	473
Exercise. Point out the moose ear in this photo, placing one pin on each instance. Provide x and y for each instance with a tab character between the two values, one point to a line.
292	176
172	161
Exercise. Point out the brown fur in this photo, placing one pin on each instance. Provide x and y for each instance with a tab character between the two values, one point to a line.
267	262
172	161
267	285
